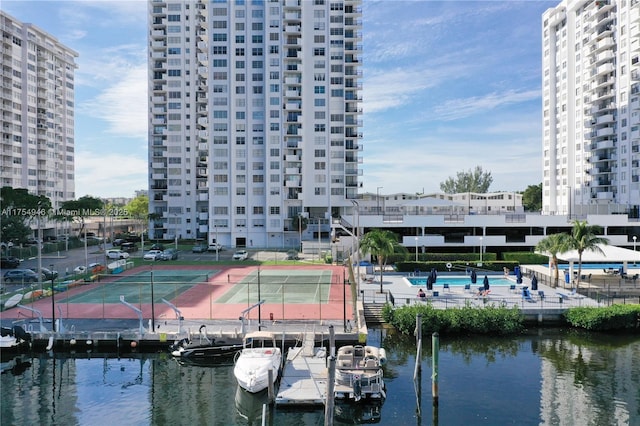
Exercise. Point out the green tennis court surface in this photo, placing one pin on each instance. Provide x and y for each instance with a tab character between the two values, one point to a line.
278	286
167	284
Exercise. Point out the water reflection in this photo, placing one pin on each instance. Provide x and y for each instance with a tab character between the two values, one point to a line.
550	377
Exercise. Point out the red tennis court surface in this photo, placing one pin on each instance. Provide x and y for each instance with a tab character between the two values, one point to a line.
199	301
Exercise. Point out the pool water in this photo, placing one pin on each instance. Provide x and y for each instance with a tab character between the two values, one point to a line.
459	281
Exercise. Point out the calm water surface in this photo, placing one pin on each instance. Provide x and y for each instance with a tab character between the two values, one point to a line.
550	378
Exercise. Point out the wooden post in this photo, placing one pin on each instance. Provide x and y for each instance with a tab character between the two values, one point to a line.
330	398
435	345
270	388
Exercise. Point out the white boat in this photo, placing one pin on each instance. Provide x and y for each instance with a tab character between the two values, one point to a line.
259	355
14	338
359	373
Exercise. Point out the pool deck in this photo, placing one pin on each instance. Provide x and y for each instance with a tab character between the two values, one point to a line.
456	296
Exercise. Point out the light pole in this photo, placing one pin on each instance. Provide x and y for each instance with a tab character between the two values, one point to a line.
153	309
215	226
634	248
300	230
416	249
53	300
357	223
378	199
480	251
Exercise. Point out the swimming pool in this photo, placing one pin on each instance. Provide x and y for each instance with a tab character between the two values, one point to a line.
458	281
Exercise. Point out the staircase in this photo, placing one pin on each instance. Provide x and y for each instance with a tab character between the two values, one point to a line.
373	313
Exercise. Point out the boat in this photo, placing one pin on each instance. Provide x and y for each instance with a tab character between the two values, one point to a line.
259	355
359	373
14	339
204	348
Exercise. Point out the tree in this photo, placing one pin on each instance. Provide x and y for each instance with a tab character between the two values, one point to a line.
81	208
138	209
552	245
19	208
471	181
585	237
532	198
379	243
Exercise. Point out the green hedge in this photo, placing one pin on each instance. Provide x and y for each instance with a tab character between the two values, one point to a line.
615	317
489	320
526	257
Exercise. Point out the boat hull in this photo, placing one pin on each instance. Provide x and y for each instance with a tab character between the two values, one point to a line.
252	368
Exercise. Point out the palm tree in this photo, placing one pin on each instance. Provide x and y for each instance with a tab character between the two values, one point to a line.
379	243
584	237
552	245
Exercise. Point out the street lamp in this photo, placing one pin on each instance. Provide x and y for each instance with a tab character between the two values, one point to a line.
480	251
378	198
357	223
416	249
634	248
53	299
215	226
153	311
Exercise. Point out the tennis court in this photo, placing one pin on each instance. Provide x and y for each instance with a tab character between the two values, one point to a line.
136	288
272	286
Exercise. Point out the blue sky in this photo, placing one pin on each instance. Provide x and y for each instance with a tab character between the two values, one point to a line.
448	86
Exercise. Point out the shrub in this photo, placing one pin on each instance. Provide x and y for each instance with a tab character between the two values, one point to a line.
489	320
616	317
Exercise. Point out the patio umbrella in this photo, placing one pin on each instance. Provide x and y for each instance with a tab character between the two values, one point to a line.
430	282
486	282
474	277
434	275
518	276
534	283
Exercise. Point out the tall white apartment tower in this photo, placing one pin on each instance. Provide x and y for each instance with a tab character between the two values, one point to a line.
254	118
37	115
591	107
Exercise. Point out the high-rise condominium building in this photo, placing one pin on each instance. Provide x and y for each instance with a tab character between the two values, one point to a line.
254	118
591	107
37	115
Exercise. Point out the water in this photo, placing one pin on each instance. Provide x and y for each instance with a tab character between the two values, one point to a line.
458	281
549	377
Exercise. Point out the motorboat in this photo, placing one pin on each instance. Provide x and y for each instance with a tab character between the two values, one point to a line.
204	348
14	338
359	373
259	355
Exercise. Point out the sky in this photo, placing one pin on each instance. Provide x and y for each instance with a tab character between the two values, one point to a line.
447	86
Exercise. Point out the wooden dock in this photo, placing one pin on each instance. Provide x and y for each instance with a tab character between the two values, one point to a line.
304	379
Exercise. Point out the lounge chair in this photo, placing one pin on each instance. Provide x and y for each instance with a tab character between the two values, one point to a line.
445	287
467	287
541	294
512	288
526	295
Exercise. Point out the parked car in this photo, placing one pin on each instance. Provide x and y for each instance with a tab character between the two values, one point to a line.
293	255
129	247
118	242
117	254
240	255
20	275
9	262
198	248
152	255
214	247
47	274
169	254
157	246
81	269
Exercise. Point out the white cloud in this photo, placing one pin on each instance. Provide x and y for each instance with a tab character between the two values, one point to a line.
463	107
122	105
106	174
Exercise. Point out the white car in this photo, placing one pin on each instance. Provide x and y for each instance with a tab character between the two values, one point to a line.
81	269
117	254
240	255
214	247
152	255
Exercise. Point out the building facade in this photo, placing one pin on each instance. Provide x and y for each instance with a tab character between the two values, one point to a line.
254	118
37	115
591	106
